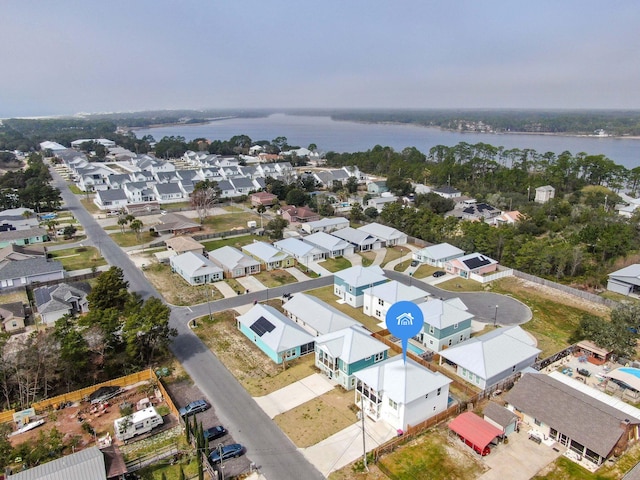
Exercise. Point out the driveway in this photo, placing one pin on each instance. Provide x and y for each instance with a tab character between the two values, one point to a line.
520	459
294	395
251	283
345	446
299	276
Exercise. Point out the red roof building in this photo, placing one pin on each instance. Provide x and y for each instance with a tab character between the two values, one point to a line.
475	432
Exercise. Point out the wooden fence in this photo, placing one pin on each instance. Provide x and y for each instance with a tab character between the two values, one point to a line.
79	395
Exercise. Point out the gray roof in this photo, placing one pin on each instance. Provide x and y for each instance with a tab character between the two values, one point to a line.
356	237
493	353
350	344
320	316
168	188
441	250
87	464
111	195
242	182
382	231
500	415
29	267
55	298
231	258
583	418
265	252
20	234
359	276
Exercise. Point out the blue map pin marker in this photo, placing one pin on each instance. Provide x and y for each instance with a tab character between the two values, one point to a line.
404	320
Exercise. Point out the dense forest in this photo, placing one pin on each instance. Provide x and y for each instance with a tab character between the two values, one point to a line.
585	122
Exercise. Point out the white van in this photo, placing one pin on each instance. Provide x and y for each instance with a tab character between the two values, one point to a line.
137	423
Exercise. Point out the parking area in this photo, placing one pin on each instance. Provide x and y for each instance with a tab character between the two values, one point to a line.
184	392
520	459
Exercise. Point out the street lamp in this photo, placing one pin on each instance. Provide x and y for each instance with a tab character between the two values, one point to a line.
495	316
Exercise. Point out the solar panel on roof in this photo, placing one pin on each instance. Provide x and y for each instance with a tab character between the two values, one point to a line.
475	262
261	326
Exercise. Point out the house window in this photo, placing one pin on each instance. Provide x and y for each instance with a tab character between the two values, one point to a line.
461	337
537	422
367	358
513	369
393	404
378	313
379	357
380	301
455	326
426	396
14	324
439	391
353	382
464	372
434	408
431	329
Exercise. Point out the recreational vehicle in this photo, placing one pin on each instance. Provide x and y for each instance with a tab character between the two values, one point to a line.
137	423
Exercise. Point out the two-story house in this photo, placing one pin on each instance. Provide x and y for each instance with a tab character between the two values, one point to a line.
379	298
400	393
349	284
342	353
446	323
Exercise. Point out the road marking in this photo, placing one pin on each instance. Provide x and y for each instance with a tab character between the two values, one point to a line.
189	308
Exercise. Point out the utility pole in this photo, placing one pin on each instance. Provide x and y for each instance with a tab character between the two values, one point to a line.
221	460
495	316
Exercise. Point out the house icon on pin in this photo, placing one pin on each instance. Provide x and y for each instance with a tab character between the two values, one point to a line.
405	319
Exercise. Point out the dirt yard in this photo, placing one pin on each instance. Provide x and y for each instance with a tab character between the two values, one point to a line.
69	420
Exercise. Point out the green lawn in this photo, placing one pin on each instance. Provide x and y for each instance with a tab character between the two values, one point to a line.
326	295
367	258
79	258
230	221
335	264
275	278
460	284
89	205
429	457
237	242
74	189
129	239
425	270
554	319
393	253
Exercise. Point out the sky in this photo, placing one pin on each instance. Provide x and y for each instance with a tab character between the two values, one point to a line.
72	56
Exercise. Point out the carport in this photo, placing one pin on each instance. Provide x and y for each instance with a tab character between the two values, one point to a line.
474	431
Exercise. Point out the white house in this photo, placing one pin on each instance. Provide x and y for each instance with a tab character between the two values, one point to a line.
195	268
447	191
437	255
378	299
625	281
234	262
302	251
327	225
315	316
361	241
388	236
545	193
268	255
401	394
335	247
490	358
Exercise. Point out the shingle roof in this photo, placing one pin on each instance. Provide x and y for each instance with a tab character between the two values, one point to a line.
231	258
20	234
297	247
381	231
324	240
111	195
54	298
356	237
442	250
29	267
502	416
194	264
583	418
265	252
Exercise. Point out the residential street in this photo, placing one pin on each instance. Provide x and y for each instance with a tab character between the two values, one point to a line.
273	453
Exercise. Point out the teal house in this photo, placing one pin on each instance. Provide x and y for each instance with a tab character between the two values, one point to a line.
446	323
344	352
27	236
279	337
349	284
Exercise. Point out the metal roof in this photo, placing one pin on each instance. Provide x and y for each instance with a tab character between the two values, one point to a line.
87	464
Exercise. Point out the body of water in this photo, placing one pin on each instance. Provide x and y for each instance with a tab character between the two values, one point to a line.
338	136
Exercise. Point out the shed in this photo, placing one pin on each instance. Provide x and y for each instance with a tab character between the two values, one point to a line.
474	431
500	417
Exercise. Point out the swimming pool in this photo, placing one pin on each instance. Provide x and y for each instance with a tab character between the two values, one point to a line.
631	371
418	351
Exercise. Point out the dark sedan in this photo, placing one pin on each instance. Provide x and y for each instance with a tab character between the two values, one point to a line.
228	451
214	432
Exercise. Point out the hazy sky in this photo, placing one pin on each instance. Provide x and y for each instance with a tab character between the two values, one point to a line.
64	56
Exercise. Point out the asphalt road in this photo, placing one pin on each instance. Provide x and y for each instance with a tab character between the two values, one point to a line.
271	450
486	307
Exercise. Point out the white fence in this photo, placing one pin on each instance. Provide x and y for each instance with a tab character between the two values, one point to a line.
494	276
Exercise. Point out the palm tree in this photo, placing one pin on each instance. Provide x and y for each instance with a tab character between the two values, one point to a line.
136	226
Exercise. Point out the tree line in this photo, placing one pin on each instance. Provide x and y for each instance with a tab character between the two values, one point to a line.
120	334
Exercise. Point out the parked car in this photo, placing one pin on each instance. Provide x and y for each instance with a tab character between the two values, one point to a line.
414	263
214	432
439	273
584	372
228	451
193	408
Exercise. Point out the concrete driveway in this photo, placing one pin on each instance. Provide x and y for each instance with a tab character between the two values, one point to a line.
345	446
251	283
299	276
295	394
